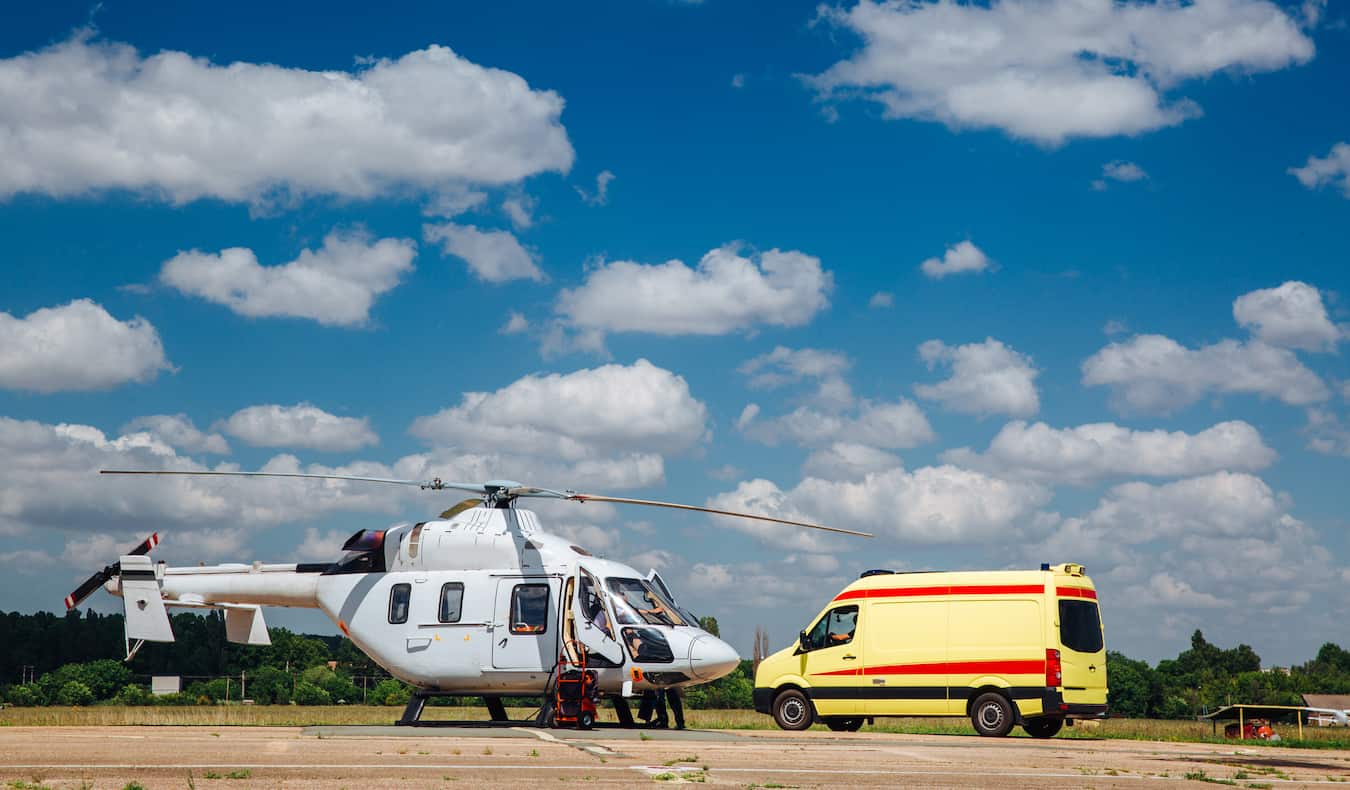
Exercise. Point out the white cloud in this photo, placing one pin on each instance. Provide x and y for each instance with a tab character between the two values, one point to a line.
1123	171
960	258
785	366
77	346
845	461
334	285
452	200
738	80
933	504
1154	373
881	300
84	115
600	196
987	378
1327	433
1291	315
178	431
301	425
727	292
321	546
493	255
1091	452
1114	327
520	210
515	324
1331	170
1051	70
1164	590
610	423
876	424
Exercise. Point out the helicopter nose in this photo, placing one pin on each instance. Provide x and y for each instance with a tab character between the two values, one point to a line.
710	658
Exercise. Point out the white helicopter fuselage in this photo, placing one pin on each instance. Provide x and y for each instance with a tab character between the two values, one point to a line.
483	602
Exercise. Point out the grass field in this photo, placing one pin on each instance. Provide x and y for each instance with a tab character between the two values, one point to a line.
295	716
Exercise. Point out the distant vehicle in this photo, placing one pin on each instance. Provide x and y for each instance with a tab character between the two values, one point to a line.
1253	728
1002	647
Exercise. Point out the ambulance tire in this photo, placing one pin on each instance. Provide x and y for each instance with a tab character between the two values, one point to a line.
838	724
1043	726
992	715
793	711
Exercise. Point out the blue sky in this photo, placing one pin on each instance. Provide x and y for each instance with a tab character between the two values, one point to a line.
576	246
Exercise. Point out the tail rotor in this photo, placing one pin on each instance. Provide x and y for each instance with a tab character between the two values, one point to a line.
101	577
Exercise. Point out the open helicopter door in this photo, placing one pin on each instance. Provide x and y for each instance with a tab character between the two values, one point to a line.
656	581
594	626
146	618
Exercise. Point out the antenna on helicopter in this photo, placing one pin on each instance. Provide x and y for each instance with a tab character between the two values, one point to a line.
500	493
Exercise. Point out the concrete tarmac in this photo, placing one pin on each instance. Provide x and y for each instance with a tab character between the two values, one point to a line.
351	757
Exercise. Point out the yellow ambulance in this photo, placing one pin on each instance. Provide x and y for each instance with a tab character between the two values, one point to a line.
1001	647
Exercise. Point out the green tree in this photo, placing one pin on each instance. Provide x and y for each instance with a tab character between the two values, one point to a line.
390	692
307	693
1135	689
709	623
27	695
74	693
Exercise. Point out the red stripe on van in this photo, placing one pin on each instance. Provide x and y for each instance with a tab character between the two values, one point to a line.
1013	667
960	589
1076	592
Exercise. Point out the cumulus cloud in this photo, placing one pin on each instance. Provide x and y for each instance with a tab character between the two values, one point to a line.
1095	451
881	300
1127	172
876	424
178	431
84	115
520	210
1327	433
1291	315
515	324
784	366
616	417
1153	373
77	346
301	425
960	258
334	285
1051	70
933	504
845	460
495	256
601	194
987	378
321	545
725	293
1330	170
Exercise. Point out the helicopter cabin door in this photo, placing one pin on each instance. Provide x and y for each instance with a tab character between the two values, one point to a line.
592	622
525	628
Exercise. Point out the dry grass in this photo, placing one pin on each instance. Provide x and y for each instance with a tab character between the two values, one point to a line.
296	716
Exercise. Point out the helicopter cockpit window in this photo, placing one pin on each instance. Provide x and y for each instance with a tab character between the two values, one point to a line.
637	602
452	601
592	607
648	645
399	595
529	609
835	628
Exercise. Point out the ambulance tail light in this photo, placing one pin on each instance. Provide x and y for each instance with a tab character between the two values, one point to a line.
1054	672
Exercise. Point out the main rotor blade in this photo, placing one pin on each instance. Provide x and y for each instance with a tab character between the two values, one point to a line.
715	511
435	485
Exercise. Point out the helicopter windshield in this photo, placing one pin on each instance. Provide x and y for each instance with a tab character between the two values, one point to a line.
637	602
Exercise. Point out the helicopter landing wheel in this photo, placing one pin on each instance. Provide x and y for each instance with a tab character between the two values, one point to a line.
586	721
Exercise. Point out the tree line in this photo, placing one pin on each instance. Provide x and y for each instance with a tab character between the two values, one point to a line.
71	659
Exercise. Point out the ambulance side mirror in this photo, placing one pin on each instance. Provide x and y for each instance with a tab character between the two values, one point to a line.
802	644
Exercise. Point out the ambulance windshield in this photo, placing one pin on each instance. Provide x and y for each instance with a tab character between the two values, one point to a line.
637	602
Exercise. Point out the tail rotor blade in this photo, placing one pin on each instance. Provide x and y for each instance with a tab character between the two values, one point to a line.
146	545
92	583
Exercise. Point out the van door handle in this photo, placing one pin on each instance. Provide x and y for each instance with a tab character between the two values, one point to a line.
849	658
1092	667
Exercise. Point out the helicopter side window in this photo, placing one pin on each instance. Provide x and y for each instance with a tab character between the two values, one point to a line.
592	608
452	601
399	595
529	609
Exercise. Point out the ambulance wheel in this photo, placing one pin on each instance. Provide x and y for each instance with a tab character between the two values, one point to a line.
792	710
844	725
586	721
1043	726
992	714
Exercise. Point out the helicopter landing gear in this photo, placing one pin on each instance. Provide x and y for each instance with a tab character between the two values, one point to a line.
412	714
496	710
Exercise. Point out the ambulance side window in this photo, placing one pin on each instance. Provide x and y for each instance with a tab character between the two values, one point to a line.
835	628
398	603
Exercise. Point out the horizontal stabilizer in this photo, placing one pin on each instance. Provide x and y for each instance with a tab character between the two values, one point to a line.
244	625
146	619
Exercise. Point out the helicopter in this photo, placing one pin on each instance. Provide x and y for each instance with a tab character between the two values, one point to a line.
481	601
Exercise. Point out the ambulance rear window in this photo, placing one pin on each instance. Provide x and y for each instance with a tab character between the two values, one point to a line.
1080	627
